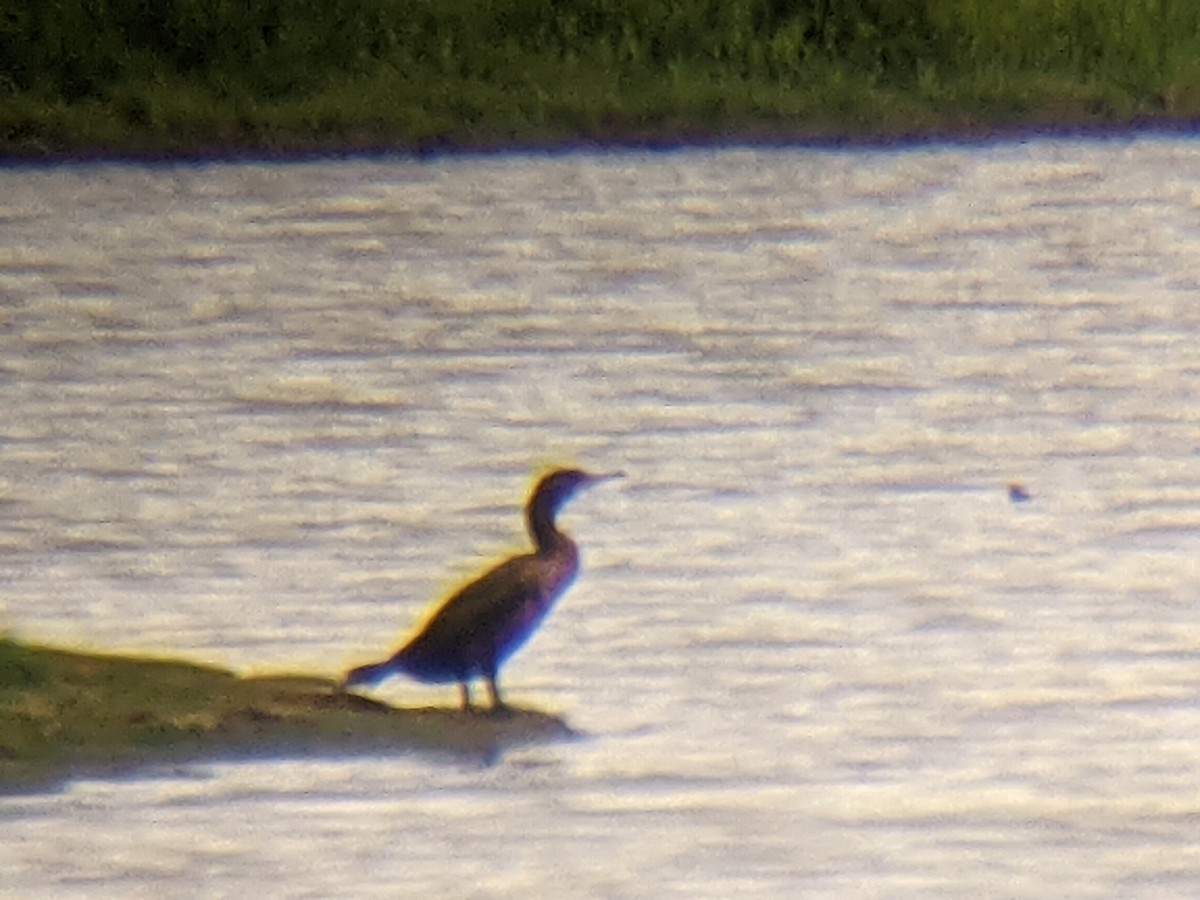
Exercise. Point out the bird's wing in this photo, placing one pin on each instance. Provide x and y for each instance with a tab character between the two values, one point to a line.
484	605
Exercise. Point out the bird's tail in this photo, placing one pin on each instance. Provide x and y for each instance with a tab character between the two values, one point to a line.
370	674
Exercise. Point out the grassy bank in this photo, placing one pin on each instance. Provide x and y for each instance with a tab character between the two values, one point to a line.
125	76
66	714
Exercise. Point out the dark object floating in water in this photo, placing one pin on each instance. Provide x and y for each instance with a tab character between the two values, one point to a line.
475	632
1018	494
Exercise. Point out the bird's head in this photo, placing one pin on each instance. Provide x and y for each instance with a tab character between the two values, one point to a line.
556	489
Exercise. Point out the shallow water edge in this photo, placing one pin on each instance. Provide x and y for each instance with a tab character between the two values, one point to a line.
766	136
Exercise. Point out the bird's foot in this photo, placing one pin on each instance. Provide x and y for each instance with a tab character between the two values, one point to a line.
501	711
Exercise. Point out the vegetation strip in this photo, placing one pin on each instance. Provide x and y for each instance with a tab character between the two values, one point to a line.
125	77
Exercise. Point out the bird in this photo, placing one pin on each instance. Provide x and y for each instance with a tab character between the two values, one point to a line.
476	630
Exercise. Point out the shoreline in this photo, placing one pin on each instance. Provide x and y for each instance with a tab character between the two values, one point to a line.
71	714
300	149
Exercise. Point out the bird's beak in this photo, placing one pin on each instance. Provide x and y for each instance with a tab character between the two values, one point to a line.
607	476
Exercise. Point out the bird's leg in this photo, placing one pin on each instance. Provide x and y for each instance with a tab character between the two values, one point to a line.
498	704
464	688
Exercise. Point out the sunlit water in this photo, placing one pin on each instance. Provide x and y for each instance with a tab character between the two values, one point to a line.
262	416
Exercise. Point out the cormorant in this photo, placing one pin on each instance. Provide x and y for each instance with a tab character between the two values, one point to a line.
474	632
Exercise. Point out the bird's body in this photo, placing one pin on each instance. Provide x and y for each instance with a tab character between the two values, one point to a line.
474	632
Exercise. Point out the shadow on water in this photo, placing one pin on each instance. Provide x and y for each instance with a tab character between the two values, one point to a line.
379	728
66	715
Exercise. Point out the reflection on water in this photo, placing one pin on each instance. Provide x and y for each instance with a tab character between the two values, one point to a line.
263	416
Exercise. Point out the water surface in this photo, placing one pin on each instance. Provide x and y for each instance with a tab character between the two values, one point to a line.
262	416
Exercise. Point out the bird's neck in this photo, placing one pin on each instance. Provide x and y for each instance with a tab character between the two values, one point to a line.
546	536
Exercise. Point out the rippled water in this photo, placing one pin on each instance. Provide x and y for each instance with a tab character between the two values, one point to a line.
262	416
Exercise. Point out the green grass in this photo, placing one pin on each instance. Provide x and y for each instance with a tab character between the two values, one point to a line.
65	714
124	76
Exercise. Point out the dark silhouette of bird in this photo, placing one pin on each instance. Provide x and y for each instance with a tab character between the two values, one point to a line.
474	633
1018	493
